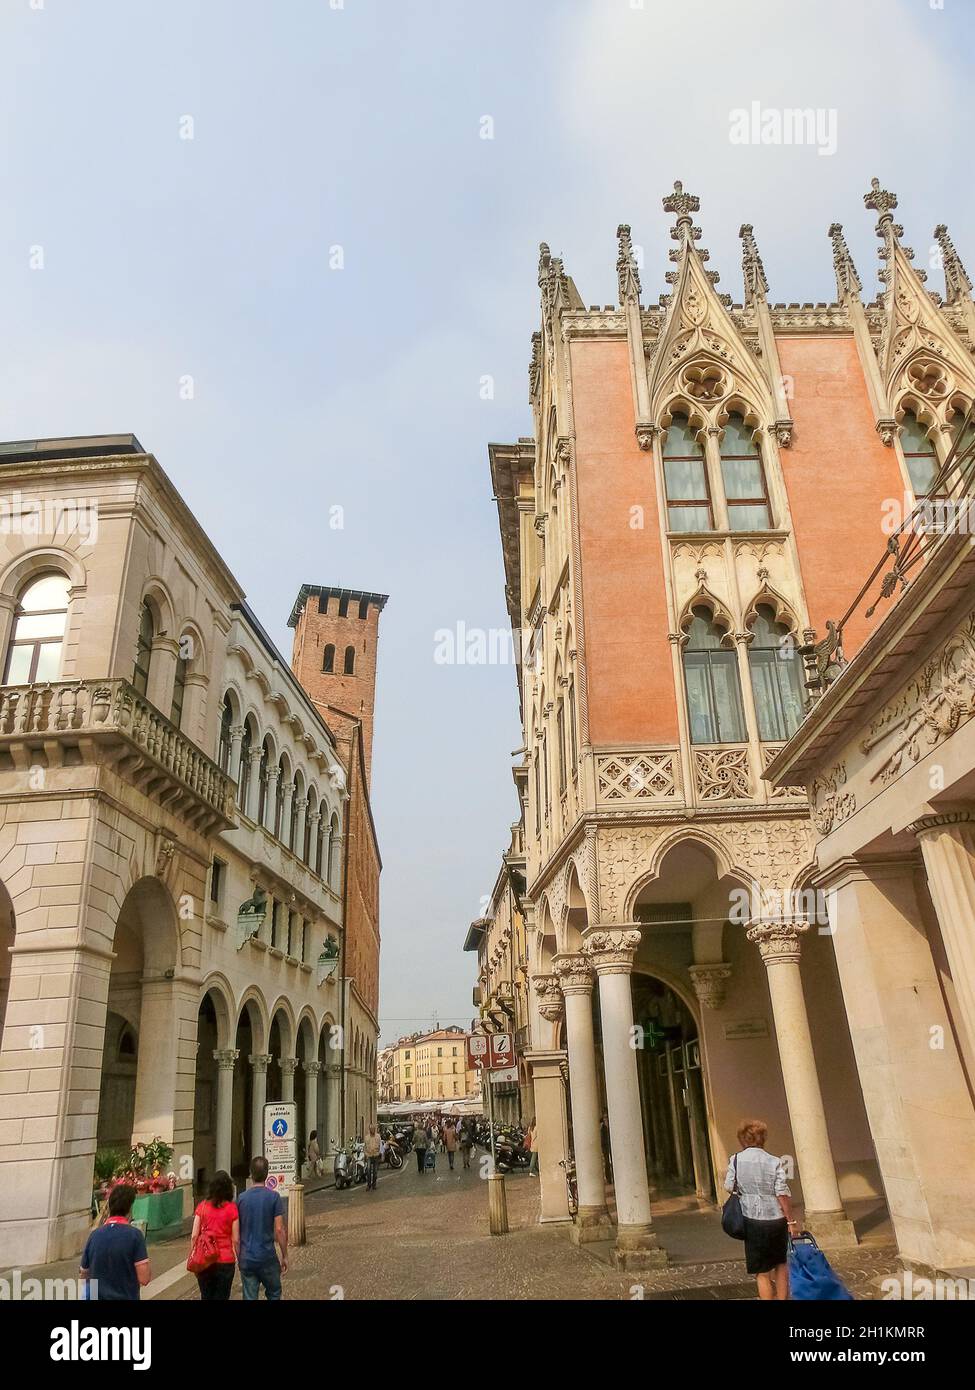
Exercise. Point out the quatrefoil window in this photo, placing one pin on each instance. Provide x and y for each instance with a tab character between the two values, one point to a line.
704	383
928	378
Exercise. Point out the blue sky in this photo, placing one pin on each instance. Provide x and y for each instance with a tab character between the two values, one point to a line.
360	127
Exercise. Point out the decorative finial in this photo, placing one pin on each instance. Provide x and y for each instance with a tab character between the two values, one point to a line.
756	285
890	232
627	271
957	284
847	279
879	200
682	205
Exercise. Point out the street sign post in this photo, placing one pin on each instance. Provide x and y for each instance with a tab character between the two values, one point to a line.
502	1052
281	1144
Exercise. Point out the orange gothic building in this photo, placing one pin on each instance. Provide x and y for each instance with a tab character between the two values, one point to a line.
706	487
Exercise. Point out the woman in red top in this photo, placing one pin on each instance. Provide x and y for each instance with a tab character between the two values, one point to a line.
219	1216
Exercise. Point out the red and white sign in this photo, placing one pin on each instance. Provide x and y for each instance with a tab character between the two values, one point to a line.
505	1074
478	1050
502	1052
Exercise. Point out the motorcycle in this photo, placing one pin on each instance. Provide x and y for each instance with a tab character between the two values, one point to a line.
509	1153
342	1169
395	1147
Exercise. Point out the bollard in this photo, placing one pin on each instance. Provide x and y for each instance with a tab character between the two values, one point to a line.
296	1215
497	1204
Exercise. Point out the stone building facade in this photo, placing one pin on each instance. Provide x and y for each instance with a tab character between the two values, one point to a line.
334	657
172	821
675	531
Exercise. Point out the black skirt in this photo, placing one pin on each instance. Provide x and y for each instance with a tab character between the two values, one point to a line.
766	1244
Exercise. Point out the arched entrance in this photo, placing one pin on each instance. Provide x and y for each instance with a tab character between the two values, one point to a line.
137	1097
671	1089
212	1039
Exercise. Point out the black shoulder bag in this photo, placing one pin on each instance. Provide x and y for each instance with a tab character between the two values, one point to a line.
732	1216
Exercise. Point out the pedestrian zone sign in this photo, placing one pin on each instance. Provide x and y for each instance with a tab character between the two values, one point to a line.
505	1074
281	1143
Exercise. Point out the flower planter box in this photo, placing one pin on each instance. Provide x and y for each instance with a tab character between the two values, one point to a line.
159	1210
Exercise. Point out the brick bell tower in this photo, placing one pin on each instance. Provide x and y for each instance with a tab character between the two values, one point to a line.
334	658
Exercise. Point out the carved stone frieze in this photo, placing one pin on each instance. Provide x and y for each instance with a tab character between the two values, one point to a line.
636	777
831	806
930	708
771	853
722	774
623	857
549	996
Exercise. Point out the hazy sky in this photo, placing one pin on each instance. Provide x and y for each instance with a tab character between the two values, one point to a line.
318	125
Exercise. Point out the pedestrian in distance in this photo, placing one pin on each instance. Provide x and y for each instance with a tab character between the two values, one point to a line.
420	1145
218	1219
531	1144
450	1142
115	1262
262	1227
372	1149
316	1166
766	1204
466	1142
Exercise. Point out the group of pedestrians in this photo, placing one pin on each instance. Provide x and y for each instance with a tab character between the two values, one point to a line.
447	1136
248	1233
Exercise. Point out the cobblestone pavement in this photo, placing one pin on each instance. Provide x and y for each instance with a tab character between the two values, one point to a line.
427	1238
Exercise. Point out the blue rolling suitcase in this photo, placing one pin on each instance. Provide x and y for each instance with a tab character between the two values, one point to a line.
430	1162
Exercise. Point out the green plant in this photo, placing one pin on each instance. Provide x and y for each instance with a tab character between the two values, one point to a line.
107	1163
146	1159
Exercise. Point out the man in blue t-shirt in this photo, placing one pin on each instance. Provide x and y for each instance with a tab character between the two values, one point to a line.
262	1227
115	1258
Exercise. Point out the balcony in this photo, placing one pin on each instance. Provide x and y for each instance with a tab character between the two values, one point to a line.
75	723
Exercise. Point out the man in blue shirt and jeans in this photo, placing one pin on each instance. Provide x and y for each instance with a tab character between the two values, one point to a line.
262	1226
115	1264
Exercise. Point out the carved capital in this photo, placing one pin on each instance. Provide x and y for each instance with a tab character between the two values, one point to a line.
574	974
710	983
312	1068
778	939
549	997
612	952
260	1061
225	1057
646	434
887	429
288	1065
945	820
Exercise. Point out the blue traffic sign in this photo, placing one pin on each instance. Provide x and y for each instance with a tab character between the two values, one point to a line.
279	1128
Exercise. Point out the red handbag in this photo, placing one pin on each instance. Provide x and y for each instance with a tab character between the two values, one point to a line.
205	1251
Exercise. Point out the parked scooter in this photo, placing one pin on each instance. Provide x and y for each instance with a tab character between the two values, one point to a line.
342	1169
394	1149
360	1168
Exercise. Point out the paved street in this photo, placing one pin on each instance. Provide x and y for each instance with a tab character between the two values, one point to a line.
427	1238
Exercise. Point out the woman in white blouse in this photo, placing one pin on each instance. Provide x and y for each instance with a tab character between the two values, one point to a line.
766	1204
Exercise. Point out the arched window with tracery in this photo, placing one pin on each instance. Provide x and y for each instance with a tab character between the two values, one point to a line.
714	707
686	479
920	454
776	672
37	642
743	478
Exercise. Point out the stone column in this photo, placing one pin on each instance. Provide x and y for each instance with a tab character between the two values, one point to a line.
162	671
233	767
948	849
288	1065
311	1070
252	795
576	980
284	830
259	1064
225	1059
298	848
271	799
778	940
551	1133
611	952
314	820
333	1108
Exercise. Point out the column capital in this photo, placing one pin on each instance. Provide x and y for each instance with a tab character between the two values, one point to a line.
311	1068
549	996
778	939
942	820
710	982
260	1061
574	973
288	1065
225	1057
611	951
